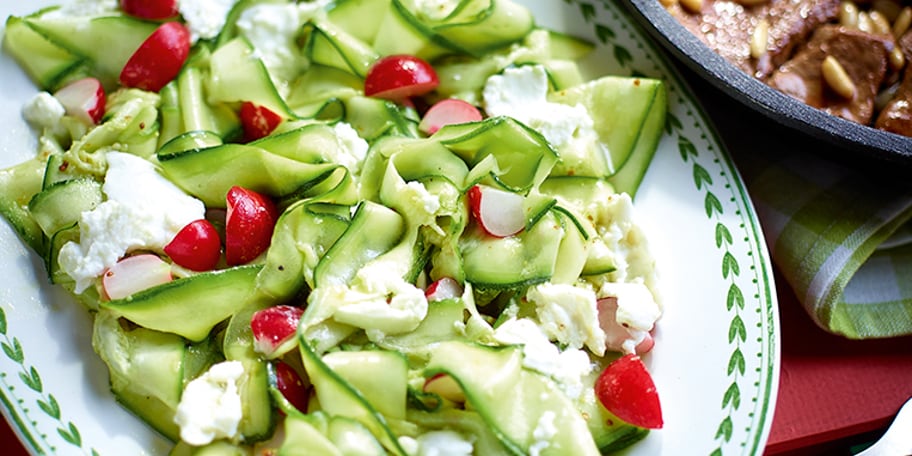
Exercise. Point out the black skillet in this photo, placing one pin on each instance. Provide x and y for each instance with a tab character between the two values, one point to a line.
857	141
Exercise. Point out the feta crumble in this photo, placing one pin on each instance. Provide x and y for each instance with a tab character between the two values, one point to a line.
205	18
43	110
522	93
143	210
568	314
210	406
443	443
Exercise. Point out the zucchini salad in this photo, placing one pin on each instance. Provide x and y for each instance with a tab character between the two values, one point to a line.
351	227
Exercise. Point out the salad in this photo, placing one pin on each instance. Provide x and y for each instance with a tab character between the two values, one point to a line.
350	227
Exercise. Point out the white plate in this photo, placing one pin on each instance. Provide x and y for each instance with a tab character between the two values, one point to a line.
716	361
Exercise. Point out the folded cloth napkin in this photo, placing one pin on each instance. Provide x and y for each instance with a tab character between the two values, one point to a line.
839	236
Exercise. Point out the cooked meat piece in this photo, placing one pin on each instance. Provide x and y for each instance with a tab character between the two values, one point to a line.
727	26
896	116
862	55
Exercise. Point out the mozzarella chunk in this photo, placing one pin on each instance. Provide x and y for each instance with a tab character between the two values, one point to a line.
210	406
143	211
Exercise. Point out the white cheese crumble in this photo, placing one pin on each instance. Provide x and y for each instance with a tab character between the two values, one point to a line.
143	210
352	148
568	314
522	93
566	367
204	18
272	28
378	300
210	406
637	311
443	443
544	431
43	110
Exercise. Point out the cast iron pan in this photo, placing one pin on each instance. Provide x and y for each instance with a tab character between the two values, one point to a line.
857	140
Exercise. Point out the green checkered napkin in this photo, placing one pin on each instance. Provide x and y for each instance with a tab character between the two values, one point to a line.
842	240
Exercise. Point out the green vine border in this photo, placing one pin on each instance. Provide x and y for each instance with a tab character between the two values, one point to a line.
46	402
735	302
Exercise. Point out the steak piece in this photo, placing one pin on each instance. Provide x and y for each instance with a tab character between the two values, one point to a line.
896	116
862	55
726	27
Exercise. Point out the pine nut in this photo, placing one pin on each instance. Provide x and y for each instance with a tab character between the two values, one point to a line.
848	14
760	39
903	21
897	59
694	6
836	78
864	22
879	23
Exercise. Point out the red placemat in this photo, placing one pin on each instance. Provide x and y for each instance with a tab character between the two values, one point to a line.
834	391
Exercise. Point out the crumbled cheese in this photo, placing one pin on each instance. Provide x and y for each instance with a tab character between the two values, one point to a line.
210	406
544	431
352	148
568	314
43	110
378	300
567	368
143	210
444	443
272	29
205	18
522	93
625	242
637	311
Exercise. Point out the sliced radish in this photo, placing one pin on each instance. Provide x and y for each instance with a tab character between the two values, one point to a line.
196	246
446	387
273	328
249	222
133	274
158	59
615	333
257	121
84	99
398	77
499	212
627	390
292	387
154	10
443	288
448	112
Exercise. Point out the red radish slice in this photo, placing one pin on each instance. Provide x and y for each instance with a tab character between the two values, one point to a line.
154	10
273	327
443	288
499	212
257	121
448	112
83	99
397	77
158	59
292	387
133	274
627	390
249	223
615	333
196	246
446	387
